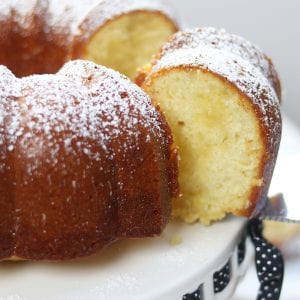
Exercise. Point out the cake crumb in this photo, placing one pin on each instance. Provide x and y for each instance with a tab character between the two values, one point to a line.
175	240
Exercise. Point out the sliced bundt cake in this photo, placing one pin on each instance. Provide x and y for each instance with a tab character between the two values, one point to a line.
220	95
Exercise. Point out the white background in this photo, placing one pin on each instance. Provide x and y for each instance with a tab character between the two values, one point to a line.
274	25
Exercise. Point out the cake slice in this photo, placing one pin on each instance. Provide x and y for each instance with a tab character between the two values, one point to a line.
220	95
124	35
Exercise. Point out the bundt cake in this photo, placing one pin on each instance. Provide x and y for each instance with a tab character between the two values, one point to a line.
39	36
220	95
85	159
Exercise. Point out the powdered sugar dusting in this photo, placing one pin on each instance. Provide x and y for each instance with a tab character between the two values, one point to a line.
20	11
107	9
84	110
9	113
83	17
65	15
233	44
65	19
20	7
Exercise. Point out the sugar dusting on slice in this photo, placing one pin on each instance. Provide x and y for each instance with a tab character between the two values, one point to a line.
221	40
233	58
106	10
64	18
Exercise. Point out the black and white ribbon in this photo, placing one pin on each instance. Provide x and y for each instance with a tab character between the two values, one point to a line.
269	263
269	267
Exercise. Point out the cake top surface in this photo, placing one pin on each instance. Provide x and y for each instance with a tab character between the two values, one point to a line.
226	42
66	16
20	11
82	108
107	9
64	12
21	7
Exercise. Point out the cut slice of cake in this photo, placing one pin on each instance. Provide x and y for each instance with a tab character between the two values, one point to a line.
220	95
124	35
39	36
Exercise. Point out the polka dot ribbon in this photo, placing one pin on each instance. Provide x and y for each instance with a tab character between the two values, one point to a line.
269	266
269	263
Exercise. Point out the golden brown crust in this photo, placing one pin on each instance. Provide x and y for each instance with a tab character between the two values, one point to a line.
85	159
26	53
274	78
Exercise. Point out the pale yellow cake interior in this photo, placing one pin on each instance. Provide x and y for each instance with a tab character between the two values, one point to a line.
280	233
129	41
219	142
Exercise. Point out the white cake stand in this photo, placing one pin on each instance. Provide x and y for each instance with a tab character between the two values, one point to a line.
145	269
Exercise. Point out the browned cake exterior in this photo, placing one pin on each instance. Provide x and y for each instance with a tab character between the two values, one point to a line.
39	36
28	45
85	159
246	68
